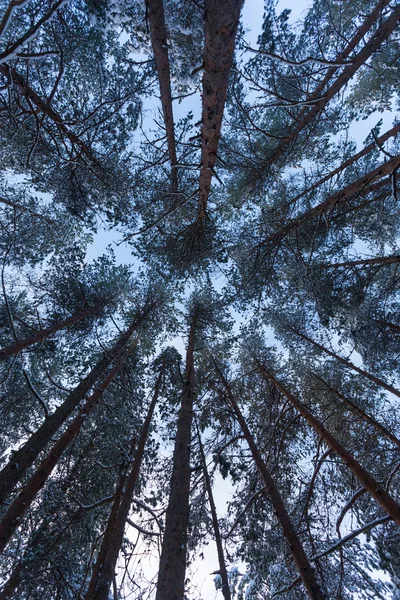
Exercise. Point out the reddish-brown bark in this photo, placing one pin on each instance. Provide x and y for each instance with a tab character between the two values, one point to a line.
220	27
333	201
155	14
20	207
171	574
361	413
12	76
347	163
348	364
372	486
307	115
300	558
104	569
41	335
24	457
21	504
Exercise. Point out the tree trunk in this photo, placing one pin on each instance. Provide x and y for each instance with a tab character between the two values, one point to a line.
360	413
348	364
300	558
381	34
220	26
21	504
29	210
19	345
339	198
25	456
171	574
376	490
155	13
384	323
34	551
104	568
347	163
380	260
25	89
218	540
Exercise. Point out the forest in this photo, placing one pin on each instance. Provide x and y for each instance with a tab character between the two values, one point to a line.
199	304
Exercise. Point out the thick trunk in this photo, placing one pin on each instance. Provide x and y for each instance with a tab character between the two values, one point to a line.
218	540
21	504
360	413
25	456
171	574
376	490
220	27
303	565
155	13
336	199
380	260
104	569
348	364
19	345
381	34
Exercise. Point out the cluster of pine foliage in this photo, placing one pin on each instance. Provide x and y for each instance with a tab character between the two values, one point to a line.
263	239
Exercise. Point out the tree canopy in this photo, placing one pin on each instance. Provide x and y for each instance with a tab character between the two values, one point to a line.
209	404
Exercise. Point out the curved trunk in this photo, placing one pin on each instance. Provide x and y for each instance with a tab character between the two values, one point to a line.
19	345
304	567
24	457
171	574
376	490
220	26
155	13
21	504
104	568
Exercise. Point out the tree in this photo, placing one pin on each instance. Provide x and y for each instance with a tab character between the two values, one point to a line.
249	195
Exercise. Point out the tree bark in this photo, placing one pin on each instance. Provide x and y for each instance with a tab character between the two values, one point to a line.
347	163
32	557
104	568
300	558
22	503
220	26
155	13
218	540
348	364
12	76
25	456
23	208
360	413
171	574
381	34
24	343
384	323
339	198
376	490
